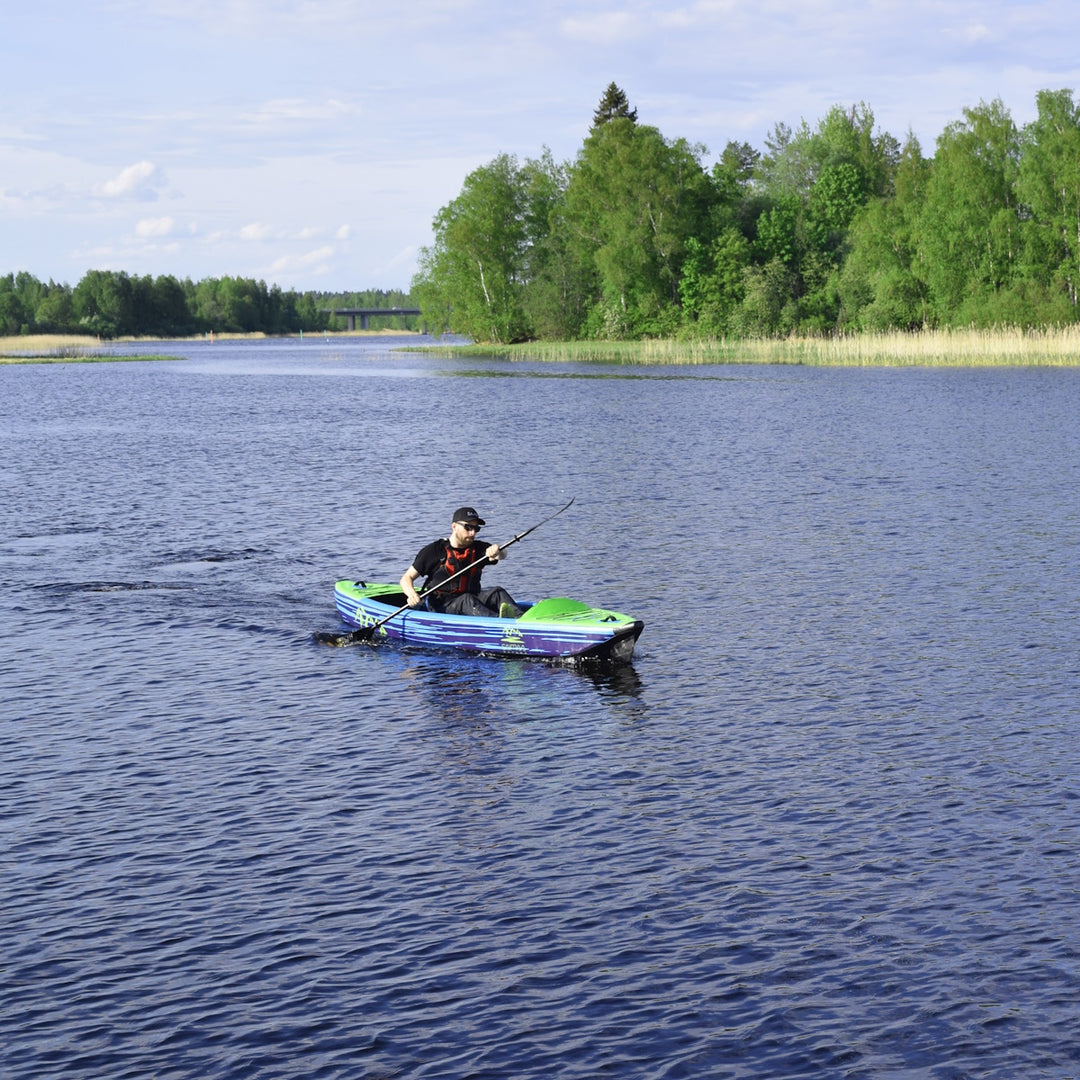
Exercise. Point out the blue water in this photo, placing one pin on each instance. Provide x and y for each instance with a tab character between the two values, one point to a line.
825	825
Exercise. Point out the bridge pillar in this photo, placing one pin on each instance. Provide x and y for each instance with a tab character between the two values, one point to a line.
352	322
363	322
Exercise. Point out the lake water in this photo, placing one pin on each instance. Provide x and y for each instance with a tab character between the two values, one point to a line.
825	825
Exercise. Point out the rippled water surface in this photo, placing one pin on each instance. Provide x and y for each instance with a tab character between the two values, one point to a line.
825	825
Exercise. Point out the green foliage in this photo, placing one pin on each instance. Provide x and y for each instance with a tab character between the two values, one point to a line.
878	288
560	281
713	282
833	227
768	306
969	229
113	304
1049	185
879	283
632	201
473	275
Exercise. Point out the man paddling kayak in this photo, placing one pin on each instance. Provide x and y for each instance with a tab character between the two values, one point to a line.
442	559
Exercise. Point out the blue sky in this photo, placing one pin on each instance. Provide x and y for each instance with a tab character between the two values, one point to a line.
310	142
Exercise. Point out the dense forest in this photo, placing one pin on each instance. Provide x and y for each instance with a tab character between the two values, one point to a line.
112	304
832	228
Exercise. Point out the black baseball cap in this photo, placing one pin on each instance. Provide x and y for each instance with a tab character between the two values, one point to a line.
466	514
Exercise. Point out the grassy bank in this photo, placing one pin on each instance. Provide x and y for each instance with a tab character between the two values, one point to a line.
1054	347
69	348
61	349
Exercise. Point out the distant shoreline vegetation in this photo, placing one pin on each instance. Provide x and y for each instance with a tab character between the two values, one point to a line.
76	348
110	304
947	347
806	252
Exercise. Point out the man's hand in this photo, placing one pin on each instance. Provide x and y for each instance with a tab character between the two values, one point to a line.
494	553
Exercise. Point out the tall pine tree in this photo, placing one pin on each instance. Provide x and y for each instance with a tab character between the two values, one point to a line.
614	103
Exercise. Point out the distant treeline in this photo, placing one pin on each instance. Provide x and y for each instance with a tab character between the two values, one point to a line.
833	228
113	304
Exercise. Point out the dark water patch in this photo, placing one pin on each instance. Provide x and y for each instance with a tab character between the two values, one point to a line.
216	556
62	589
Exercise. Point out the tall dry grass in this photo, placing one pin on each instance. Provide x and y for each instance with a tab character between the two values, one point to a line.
47	344
999	347
63	349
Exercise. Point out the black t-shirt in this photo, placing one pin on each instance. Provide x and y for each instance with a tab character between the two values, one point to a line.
438	560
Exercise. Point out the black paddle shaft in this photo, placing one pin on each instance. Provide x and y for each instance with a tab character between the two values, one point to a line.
365	633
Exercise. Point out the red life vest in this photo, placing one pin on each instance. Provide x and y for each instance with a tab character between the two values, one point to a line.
457	560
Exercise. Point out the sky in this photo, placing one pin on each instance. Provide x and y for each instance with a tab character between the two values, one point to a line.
310	143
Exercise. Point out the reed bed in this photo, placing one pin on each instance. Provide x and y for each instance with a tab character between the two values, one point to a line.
998	347
48	347
63	349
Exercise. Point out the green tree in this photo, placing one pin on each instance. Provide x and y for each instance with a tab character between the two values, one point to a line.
970	240
880	283
1049	186
787	167
55	312
737	198
560	285
472	276
31	293
169	307
713	282
12	313
614	105
768	307
204	302
632	201
815	182
104	303
780	231
713	277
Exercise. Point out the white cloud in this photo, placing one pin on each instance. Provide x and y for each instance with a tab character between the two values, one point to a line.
134	181
149	227
343	232
255	231
318	255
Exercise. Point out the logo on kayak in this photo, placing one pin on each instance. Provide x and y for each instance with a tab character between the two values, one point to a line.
366	619
512	640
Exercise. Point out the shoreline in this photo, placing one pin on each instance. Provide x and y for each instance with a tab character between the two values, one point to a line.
1001	347
1056	347
90	349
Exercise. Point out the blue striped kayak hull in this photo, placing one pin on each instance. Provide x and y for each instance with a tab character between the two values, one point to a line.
555	629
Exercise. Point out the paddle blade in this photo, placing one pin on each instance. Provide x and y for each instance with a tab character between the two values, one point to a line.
354	637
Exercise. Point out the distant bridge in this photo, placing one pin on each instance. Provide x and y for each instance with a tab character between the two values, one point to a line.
366	313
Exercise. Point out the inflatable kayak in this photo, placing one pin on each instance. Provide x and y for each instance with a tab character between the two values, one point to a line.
557	628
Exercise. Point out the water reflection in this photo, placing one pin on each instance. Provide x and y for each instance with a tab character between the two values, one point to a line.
521	371
462	690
